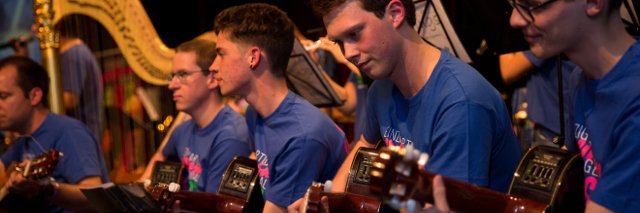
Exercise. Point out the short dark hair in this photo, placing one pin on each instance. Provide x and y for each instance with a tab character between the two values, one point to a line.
377	7
205	51
262	25
29	75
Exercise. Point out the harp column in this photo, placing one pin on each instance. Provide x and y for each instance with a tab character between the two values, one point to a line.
50	45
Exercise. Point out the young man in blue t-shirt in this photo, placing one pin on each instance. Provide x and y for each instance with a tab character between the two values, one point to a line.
604	105
207	143
24	87
295	143
422	96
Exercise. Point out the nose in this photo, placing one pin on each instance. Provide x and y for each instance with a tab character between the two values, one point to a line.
214	66
516	20
351	53
173	84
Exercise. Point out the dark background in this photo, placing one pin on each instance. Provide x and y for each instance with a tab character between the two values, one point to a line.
474	22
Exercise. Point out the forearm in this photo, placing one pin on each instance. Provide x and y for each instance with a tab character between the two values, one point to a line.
593	207
514	66
69	196
3	175
342	176
270	207
351	99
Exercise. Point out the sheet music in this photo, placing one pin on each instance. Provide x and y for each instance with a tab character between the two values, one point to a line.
437	28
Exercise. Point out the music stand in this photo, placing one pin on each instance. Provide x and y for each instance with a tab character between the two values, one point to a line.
435	28
304	77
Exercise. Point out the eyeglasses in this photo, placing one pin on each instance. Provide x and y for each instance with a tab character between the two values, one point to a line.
182	75
526	11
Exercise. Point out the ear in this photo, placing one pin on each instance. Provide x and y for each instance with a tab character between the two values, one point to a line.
35	96
395	10
595	7
254	56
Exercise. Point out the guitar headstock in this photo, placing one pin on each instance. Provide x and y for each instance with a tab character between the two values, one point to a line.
41	166
162	193
313	196
395	174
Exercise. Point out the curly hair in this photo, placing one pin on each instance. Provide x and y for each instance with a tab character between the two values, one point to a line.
262	25
377	7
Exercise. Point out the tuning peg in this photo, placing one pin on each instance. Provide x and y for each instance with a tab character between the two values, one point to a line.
410	205
327	186
146	183
394	202
174	187
398	189
422	160
408	153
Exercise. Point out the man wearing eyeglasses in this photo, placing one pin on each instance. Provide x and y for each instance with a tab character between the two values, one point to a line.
604	118
215	134
605	100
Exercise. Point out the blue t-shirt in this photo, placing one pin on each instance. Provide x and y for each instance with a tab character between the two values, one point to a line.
206	152
81	158
458	118
361	100
82	76
295	145
606	129
542	91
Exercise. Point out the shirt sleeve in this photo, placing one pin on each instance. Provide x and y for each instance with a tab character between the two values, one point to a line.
170	148
294	169
461	146
371	130
618	185
12	153
81	155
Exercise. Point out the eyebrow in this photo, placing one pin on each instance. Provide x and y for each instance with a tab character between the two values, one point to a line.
346	32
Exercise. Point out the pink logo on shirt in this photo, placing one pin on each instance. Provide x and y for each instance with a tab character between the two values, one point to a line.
592	168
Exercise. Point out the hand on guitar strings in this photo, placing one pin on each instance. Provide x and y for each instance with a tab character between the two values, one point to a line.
17	183
439	197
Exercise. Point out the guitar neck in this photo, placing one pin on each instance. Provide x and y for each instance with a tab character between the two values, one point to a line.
338	202
465	197
349	202
209	202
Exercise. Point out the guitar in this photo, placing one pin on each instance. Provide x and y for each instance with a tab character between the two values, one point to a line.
359	178
357	198
235	194
37	169
338	202
397	176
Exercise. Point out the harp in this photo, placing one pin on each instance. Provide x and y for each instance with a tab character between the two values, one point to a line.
139	54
